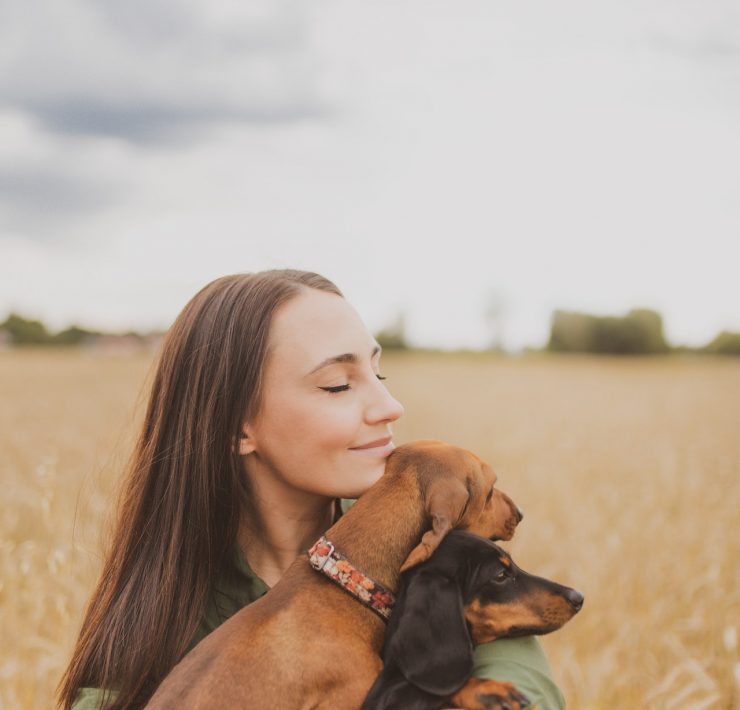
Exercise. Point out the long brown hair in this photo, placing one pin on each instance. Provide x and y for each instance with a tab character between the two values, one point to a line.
185	489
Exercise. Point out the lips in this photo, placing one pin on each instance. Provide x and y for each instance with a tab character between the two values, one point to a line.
373	444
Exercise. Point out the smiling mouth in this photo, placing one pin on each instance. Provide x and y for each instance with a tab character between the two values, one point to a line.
374	444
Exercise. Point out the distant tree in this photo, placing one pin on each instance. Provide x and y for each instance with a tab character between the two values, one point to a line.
726	343
650	324
571	332
25	332
640	332
74	335
393	336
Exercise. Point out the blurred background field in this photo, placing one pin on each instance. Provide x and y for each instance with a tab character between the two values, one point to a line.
627	470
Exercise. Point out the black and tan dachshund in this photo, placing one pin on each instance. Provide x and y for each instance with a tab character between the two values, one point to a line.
468	592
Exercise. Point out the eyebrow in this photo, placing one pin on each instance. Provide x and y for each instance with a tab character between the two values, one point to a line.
344	357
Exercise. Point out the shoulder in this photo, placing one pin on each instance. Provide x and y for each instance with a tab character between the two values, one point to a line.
346	503
523	662
229	594
92	698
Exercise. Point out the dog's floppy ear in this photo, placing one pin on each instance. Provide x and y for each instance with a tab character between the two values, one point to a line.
427	637
446	500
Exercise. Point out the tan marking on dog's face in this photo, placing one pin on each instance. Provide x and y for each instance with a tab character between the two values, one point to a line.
540	613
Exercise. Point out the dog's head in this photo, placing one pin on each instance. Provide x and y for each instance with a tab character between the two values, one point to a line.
503	601
469	592
458	489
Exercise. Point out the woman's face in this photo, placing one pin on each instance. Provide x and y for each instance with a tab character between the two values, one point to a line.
305	434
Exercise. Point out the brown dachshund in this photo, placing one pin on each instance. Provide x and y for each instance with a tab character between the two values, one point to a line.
307	643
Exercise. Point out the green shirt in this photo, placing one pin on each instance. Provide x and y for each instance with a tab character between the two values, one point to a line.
520	661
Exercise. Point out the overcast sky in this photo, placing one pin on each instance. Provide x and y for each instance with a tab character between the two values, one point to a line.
426	156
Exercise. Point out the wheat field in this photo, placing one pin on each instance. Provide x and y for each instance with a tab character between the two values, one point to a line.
627	470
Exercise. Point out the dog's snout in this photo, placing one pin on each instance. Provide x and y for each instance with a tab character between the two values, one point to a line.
519	514
575	598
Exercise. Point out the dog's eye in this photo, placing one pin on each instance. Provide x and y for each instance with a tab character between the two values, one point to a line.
490	495
502	576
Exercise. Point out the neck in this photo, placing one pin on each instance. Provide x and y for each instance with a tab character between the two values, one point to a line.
274	535
382	527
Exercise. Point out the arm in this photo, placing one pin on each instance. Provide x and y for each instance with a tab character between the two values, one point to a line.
520	661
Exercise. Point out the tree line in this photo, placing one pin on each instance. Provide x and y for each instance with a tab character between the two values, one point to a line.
20	331
639	332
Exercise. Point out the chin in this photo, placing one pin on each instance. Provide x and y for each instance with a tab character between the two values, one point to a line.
368	481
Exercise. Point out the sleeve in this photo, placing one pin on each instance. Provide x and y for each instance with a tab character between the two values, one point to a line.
520	661
92	698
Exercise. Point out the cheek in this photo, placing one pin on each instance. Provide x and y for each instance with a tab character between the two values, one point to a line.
315	426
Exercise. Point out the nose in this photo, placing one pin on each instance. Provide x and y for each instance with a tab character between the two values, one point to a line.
575	598
519	514
385	407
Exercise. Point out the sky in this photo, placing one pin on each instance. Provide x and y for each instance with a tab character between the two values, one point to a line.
431	158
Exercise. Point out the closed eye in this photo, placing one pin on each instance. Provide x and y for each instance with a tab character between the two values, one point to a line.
344	388
490	495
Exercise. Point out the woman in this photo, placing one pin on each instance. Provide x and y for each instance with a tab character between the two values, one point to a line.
265	385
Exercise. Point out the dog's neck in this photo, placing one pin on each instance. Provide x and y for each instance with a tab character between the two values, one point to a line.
379	531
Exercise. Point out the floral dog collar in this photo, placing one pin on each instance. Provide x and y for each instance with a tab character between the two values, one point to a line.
323	557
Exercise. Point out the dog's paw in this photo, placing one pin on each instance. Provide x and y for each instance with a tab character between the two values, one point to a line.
485	694
502	697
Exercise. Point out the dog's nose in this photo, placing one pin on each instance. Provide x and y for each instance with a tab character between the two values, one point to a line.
519	514
575	598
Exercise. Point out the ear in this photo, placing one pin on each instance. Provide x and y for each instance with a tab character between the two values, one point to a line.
446	500
427	637
245	443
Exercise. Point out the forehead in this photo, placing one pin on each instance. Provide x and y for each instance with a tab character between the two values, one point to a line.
315	325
